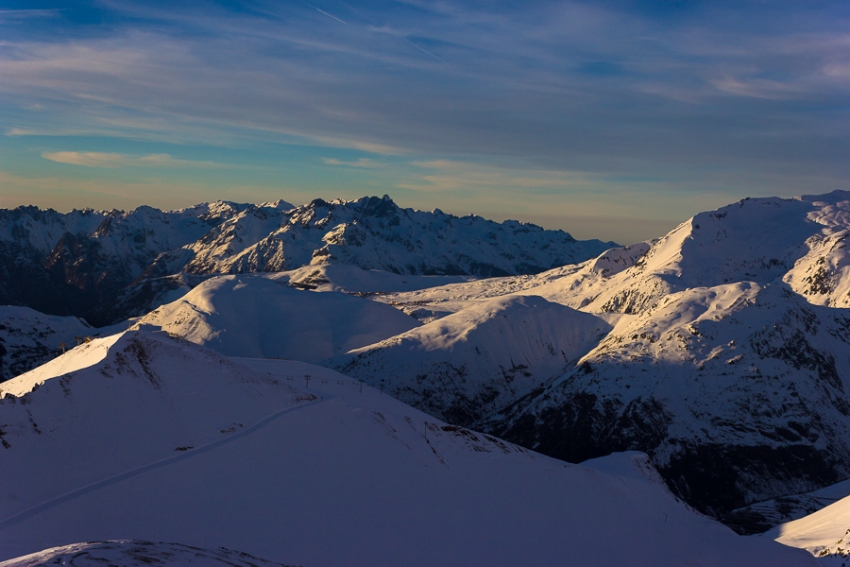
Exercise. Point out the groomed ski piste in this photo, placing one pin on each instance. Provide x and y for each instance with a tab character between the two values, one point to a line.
146	437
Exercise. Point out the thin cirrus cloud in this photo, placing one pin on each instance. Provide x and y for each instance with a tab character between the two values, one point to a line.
361	162
114	160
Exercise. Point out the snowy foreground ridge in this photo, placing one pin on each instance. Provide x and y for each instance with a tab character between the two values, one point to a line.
161	440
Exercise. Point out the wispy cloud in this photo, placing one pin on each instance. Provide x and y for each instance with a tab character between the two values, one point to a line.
13	16
361	162
452	175
113	160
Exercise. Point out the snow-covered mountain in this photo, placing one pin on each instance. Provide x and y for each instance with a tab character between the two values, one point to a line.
260	315
141	436
107	266
470	364
727	362
722	350
737	392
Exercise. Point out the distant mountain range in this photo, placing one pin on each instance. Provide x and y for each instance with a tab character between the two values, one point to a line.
108	266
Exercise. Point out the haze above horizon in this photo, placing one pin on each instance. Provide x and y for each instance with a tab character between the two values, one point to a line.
613	120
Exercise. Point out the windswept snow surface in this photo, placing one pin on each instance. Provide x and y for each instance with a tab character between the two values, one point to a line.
472	363
133	553
166	441
260	316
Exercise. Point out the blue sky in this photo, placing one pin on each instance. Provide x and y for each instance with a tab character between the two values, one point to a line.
614	120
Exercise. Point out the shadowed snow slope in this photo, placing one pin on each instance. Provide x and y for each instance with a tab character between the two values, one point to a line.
471	363
257	316
353	279
163	440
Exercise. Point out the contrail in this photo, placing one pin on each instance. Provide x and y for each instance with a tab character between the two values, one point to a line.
330	16
423	50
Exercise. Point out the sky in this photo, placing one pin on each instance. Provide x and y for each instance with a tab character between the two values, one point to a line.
613	120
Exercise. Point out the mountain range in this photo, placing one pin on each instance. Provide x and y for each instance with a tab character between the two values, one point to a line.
106	266
720	351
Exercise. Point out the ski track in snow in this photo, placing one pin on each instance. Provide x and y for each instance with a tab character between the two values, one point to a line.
21	516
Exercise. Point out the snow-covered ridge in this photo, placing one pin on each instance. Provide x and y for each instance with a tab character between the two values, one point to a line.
259	315
710	348
107	266
825	533
475	362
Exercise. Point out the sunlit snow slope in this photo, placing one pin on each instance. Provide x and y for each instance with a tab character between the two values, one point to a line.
825	534
261	316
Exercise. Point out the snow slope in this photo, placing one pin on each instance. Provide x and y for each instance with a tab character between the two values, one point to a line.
776	511
29	338
133	553
163	440
353	279
472	363
259	315
825	534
